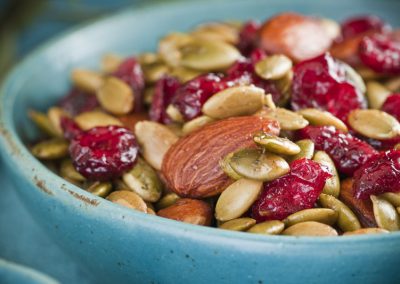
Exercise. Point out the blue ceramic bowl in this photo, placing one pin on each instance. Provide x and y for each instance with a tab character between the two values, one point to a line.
11	273
120	245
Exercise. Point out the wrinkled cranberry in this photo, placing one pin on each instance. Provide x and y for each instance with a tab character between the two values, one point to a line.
348	152
392	105
297	190
69	127
256	55
164	92
381	53
381	145
321	83
248	37
379	175
361	24
131	73
104	153
77	102
191	96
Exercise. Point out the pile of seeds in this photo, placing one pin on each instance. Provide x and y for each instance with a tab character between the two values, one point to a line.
231	125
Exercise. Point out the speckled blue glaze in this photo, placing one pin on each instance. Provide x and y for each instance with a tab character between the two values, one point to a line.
120	245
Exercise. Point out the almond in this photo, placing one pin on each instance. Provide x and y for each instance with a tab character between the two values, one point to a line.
187	210
297	36
191	166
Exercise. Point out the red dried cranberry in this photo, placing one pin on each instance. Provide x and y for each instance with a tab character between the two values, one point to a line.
164	92
256	55
77	102
348	152
104	153
379	175
381	53
131	73
361	24
382	145
321	83
248	37
69	127
295	191
191	96
392	105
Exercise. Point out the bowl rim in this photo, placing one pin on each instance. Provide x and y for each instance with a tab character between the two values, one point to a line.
19	157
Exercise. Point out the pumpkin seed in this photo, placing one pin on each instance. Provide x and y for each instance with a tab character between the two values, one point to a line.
43	122
368	74
376	94
332	28
385	214
217	31
398	210
155	140
128	199
116	96
269	102
176	128
226	167
196	123
364	231
284	85
167	200
55	114
206	55
322	118
393	84
90	119
276	144
154	71
374	123
393	198
55	148
169	48
310	228
347	220
321	215
101	189
273	67
119	184
306	150
255	164
273	227
148	58
288	120
174	113
110	63
86	80
143	180
237	198
332	184
354	78
67	170
184	74
239	224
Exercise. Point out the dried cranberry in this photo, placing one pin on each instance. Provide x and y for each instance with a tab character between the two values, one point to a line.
379	175
131	73
191	96
248	37
361	24
381	53
257	54
382	145
348	152
297	190
321	83
392	105
69	127
77	102
104	153
164	92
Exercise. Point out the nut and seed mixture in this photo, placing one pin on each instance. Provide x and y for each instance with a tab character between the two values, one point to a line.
290	126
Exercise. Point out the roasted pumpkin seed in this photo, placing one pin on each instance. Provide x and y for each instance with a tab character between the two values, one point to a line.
273	67
217	31
101	189
276	144
154	71
310	228
116	96
322	118
269	102
148	58
274	227
55	114
167	200
306	150
196	123
87	80
255	164
128	199
143	180
226	167
43	122
332	184
374	123
376	94
365	231
237	198
288	120
321	215
393	198
90	119
55	148
184	74
174	113
110	62
169	48
67	170
353	77
284	85
239	224
385	214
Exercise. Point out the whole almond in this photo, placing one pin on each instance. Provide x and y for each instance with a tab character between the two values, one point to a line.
187	210
191	166
297	36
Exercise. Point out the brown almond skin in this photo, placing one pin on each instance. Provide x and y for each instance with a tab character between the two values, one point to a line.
187	210
130	120
191	166
362	208
296	36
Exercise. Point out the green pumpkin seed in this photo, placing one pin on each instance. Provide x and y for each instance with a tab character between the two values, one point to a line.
321	215
169	48
393	198
234	101
288	120
310	228
154	72
385	214
101	189
90	119
148	58
306	150
393	84
347	220
322	118
143	180
365	231
206	55
273	227
110	63
226	167
184	74
236	199
332	184
43	122
128	199
284	86
196	123
374	123
276	144
354	77
67	170
255	164
174	113
269	102
273	67
52	149
116	96
167	200
55	114
376	94
87	80
239	224
218	31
